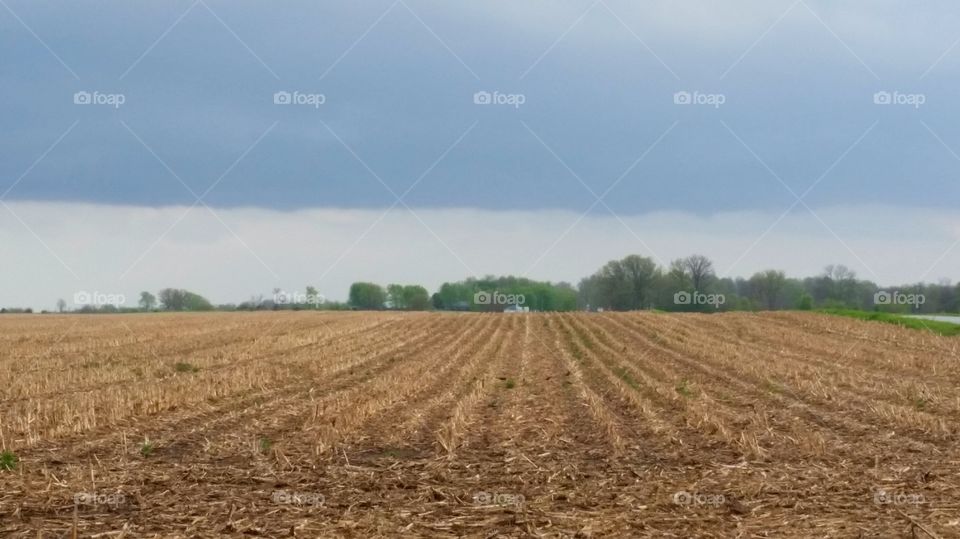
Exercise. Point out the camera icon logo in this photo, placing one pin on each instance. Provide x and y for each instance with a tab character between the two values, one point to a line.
82	98
682	298
82	298
882	98
682	98
882	298
482	98
282	98
482	298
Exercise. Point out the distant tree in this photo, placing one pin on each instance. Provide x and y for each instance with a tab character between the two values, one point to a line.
679	275
395	296
171	299
174	299
768	288
61	305
369	296
147	301
456	296
838	286
536	295
839	273
196	302
641	274
622	285
637	282
313	298
416	298
953	302
699	269
614	288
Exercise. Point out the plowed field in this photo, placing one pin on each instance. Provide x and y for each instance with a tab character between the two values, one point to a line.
443	425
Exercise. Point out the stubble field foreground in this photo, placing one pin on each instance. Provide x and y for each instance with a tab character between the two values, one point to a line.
315	424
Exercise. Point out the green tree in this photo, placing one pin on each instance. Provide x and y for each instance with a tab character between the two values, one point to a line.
839	286
768	288
626	284
396	297
416	298
147	301
174	299
640	273
368	296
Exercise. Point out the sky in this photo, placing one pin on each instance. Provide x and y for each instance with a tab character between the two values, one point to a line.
234	147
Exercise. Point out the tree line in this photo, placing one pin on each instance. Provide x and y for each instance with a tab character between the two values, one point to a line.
632	283
637	282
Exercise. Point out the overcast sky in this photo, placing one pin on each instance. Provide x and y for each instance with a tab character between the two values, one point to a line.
816	133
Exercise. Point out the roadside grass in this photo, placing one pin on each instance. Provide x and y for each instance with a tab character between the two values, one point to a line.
946	329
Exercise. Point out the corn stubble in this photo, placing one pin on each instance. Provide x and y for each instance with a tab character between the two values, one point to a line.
458	424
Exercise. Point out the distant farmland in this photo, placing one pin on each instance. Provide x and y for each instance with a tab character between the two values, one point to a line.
458	424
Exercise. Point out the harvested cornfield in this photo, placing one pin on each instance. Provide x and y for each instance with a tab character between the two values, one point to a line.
445	425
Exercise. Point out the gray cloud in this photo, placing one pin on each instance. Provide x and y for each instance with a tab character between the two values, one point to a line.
401	96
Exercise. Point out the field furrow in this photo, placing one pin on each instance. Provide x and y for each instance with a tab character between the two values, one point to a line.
395	424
